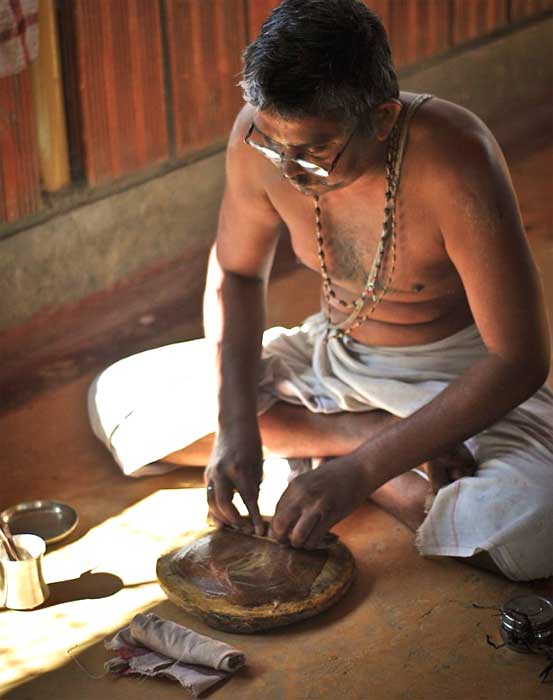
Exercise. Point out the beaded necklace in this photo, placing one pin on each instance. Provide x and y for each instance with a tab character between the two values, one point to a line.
387	241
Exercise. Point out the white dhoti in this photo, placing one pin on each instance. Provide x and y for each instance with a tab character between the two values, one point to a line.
159	401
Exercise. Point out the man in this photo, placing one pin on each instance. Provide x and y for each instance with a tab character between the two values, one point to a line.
432	330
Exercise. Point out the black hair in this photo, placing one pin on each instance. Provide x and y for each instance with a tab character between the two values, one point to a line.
320	58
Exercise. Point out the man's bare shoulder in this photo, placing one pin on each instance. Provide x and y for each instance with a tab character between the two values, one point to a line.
241	125
451	142
246	171
458	160
241	161
249	225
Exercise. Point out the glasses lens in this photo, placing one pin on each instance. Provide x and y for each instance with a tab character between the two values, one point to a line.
267	152
312	168
276	158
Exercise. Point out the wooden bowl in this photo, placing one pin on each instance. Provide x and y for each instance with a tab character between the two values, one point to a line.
238	583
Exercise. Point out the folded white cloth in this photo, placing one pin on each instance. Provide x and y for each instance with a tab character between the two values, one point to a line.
152	646
159	401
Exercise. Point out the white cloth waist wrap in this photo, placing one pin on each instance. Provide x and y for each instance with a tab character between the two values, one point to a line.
157	402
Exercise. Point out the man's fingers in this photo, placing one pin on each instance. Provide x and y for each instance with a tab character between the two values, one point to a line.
212	520
228	510
212	505
219	499
210	493
284	520
306	531
249	494
253	509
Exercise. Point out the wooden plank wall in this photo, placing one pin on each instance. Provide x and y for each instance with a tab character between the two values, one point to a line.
521	9
151	81
419	29
475	18
428	23
19	178
120	99
258	10
205	43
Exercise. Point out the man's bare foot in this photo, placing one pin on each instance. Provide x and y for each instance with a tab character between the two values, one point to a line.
406	499
409	496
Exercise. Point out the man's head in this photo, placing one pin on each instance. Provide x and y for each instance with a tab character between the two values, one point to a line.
320	58
320	75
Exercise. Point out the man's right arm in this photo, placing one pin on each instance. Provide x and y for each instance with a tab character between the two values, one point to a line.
234	320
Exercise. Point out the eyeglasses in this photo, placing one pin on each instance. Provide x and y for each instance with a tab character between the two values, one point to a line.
279	159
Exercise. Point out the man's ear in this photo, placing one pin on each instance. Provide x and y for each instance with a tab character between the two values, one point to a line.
384	118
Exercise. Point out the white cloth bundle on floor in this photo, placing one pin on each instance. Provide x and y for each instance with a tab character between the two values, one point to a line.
154	403
152	646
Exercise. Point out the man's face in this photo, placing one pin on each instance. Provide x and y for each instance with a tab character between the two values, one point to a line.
313	141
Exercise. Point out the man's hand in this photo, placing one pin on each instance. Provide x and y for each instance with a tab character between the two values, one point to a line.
235	465
316	501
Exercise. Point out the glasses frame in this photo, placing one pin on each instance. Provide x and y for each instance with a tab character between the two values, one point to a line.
283	158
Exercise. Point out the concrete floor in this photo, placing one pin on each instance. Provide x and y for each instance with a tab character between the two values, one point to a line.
406	630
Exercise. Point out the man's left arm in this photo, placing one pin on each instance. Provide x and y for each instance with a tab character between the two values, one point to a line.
478	215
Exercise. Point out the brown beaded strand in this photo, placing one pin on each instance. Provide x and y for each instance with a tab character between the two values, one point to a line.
387	243
388	234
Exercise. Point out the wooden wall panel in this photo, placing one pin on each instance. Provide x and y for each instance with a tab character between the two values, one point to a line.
206	40
476	18
69	56
115	84
521	9
19	175
419	29
258	11
121	86
48	103
382	9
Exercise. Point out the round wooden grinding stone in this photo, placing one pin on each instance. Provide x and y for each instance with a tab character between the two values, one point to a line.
244	584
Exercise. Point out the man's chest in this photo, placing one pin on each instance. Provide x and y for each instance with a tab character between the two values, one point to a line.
351	229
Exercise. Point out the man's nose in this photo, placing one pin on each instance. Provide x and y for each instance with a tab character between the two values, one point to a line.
291	169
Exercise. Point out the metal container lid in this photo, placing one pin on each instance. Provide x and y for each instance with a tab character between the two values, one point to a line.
528	610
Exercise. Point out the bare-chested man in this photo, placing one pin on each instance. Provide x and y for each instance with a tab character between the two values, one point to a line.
432	327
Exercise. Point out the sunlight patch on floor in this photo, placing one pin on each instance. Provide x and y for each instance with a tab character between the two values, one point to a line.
99	582
122	549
